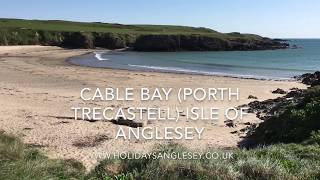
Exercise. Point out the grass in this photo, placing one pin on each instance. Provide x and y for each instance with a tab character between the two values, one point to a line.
17	161
71	26
282	161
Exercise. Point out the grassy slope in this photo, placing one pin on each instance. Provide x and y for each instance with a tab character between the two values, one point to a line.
291	161
69	26
17	161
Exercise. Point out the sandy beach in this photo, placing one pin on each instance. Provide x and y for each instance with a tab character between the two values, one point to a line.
38	87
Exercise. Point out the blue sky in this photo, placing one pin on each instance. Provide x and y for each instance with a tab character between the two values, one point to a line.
272	18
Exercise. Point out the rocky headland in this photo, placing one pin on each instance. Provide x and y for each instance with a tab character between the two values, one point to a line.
135	37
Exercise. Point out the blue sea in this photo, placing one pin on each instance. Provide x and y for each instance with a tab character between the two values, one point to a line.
267	64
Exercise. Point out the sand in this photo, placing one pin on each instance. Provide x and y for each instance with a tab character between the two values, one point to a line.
38	87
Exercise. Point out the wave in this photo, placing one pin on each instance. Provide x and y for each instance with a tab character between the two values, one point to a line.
99	56
190	71
248	67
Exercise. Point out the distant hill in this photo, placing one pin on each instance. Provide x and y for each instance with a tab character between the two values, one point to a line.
137	37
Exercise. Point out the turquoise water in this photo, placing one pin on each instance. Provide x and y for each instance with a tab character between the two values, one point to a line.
270	64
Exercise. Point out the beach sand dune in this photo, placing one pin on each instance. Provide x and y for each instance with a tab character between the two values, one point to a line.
38	87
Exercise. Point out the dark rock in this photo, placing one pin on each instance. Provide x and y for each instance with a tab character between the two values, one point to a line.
295	93
202	43
179	43
279	91
281	40
229	123
312	79
252	97
125	122
294	89
271	107
261	44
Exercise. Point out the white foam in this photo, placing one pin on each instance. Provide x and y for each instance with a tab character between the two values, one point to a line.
99	56
183	70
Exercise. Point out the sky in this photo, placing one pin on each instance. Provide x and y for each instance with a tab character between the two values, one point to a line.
271	18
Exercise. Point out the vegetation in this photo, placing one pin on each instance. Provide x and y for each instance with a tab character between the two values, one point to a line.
290	161
138	37
297	123
69	26
17	161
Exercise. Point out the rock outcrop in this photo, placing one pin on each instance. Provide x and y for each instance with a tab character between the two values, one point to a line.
179	43
203	43
139	42
312	79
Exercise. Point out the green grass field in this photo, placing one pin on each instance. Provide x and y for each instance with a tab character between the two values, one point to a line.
69	26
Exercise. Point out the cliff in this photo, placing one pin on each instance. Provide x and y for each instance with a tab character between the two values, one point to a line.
136	37
203	43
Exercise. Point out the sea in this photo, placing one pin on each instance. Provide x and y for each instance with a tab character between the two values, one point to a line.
282	64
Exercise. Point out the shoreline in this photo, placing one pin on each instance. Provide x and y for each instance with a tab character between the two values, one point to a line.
39	86
292	79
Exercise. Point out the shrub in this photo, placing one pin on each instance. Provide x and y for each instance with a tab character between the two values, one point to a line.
315	137
294	124
77	40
